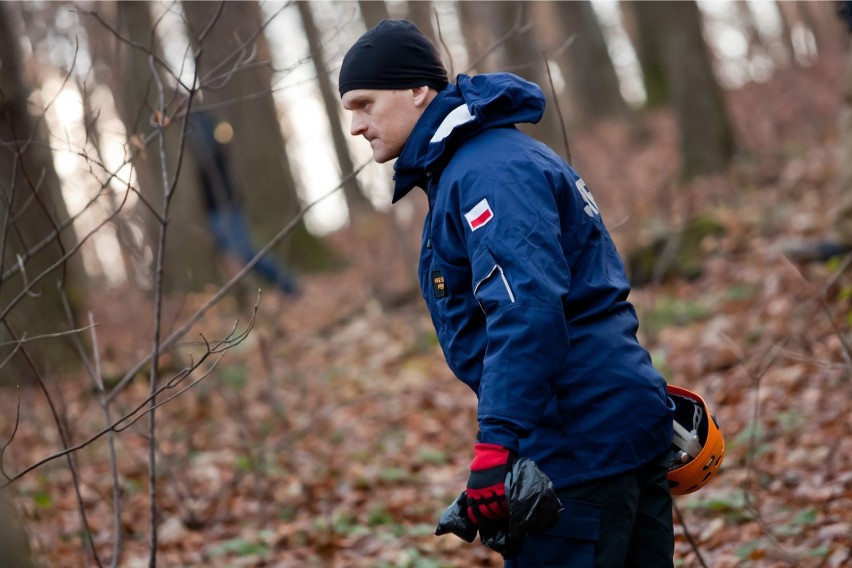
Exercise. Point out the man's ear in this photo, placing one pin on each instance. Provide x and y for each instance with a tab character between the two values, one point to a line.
421	96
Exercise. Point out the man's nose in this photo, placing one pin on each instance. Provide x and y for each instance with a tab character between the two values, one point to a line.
358	126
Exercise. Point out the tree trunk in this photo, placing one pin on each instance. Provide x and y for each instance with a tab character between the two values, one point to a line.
830	30
748	26
843	216
518	52
650	49
32	211
788	21
420	12
706	142
373	12
678	57
352	190
235	66
588	70
476	38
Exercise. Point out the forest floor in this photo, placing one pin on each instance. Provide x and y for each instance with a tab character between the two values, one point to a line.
334	435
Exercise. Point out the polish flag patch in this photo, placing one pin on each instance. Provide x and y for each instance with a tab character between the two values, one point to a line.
479	215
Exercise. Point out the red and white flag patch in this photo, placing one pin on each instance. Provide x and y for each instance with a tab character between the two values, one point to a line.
479	215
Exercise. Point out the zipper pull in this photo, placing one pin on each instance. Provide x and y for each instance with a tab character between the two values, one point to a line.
428	243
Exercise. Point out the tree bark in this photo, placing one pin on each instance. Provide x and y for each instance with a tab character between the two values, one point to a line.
788	21
650	50
420	12
748	26
830	30
678	57
352	190
32	212
843	216
706	141
516	50
590	75
373	12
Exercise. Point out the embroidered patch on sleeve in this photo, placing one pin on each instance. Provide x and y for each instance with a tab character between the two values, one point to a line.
479	215
439	289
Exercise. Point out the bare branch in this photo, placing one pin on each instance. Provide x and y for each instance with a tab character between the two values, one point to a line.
132	44
122	423
12	434
65	444
249	266
689	538
95	374
517	29
444	43
54	234
57	264
26	339
818	295
558	108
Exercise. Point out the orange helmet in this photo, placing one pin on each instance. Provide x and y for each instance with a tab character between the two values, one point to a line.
697	445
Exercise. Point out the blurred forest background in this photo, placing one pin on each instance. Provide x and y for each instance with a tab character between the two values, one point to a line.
161	162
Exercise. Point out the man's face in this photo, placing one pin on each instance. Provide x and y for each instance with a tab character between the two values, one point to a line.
385	118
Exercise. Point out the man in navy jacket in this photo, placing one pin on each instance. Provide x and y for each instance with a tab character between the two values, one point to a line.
529	300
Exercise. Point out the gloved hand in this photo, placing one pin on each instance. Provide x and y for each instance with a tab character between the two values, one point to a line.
486	486
533	508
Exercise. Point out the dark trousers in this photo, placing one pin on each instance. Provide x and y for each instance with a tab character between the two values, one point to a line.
620	521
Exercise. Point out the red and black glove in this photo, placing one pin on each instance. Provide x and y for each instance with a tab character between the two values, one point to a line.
486	486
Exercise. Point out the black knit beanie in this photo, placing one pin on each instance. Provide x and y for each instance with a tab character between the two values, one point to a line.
392	55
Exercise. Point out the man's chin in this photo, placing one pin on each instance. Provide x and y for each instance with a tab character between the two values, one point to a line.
382	156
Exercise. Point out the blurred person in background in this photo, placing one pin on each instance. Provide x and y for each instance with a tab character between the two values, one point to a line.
221	202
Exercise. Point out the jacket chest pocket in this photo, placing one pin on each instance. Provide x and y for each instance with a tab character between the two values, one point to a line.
441	283
446	287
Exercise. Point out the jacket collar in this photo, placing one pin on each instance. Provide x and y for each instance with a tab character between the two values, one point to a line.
457	113
427	141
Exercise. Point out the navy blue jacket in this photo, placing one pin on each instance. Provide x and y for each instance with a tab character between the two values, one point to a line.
526	290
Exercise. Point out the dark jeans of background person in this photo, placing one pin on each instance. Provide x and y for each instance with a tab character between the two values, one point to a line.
623	520
232	236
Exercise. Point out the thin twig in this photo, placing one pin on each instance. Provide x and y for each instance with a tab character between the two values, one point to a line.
818	295
558	108
57	264
20	150
168	192
113	460
516	29
127	420
63	437
248	267
444	44
12	434
95	374
749	494
689	538
133	45
23	340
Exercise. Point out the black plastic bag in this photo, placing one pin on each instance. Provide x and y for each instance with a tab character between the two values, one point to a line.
533	508
455	520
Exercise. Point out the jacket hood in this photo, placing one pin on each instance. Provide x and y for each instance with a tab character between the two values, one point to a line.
460	111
